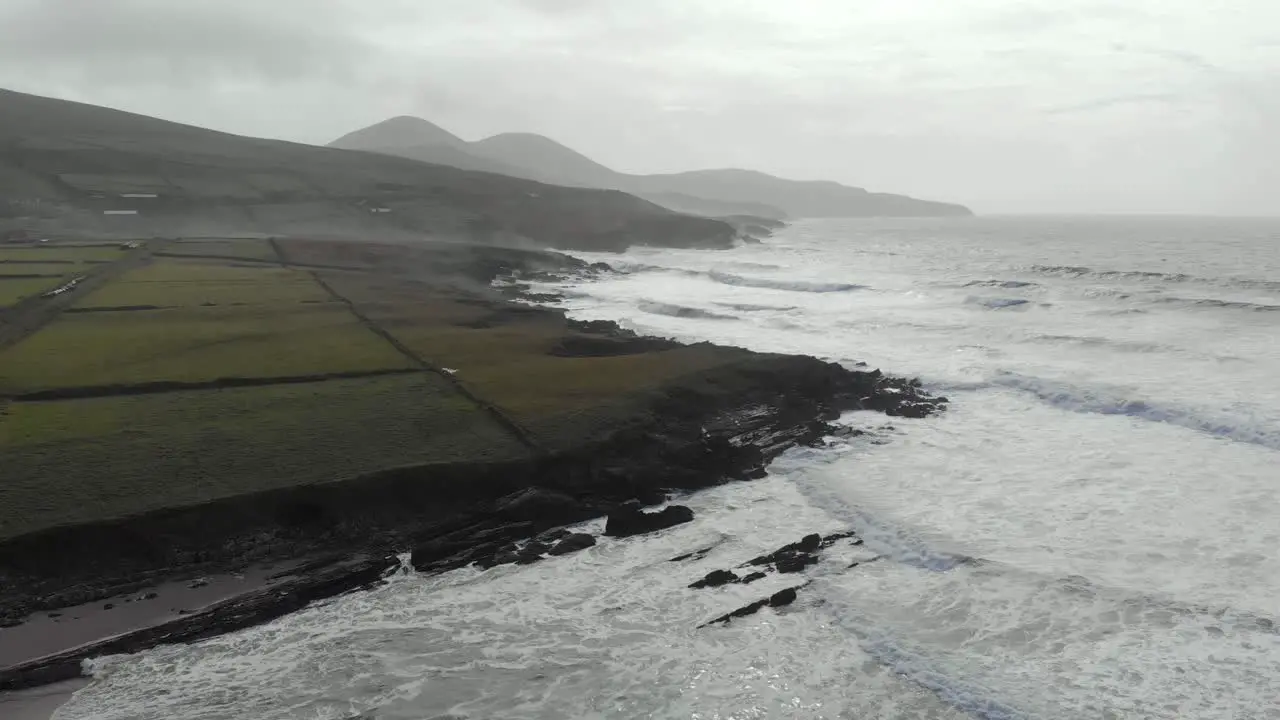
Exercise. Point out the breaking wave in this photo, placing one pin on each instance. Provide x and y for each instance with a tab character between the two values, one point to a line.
725	278
1096	341
1104	400
748	307
1221	304
680	311
1008	284
1078	271
997	303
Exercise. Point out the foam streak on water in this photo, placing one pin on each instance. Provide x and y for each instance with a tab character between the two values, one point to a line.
1090	532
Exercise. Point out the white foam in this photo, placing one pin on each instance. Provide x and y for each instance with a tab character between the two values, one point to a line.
1089	532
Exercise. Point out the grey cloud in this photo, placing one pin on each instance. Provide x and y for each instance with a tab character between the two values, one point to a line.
178	41
1110	102
1012	105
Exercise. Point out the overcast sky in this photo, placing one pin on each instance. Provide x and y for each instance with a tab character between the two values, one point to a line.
1007	105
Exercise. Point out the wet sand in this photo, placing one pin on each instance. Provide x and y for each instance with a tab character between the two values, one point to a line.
47	633
38	703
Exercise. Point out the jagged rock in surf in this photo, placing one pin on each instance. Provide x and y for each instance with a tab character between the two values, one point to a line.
805	546
829	540
551	536
795	562
715	578
630	520
572	543
781	598
506	556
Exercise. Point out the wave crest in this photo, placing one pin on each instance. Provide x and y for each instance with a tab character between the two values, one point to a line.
681	311
997	303
725	278
1103	400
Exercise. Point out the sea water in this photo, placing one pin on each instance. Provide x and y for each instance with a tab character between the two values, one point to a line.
1091	531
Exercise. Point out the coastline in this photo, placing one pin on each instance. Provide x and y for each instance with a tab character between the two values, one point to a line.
706	428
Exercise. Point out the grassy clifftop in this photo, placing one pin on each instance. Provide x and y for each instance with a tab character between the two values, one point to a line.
222	367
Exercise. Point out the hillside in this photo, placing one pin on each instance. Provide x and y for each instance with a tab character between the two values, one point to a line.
400	131
64	165
546	158
702	192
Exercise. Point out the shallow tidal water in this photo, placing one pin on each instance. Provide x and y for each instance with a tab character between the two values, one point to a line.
1089	532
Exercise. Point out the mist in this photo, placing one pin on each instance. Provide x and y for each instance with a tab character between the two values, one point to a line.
1062	106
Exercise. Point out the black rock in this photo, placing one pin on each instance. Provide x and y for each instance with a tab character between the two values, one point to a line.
428	553
535	547
629	520
752	577
695	555
202	582
506	556
552	535
791	554
509	531
151	596
778	599
809	543
794	563
832	539
527	557
651	496
109	606
572	543
542	507
782	597
715	578
746	610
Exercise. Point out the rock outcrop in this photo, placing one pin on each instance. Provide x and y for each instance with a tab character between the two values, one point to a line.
630	520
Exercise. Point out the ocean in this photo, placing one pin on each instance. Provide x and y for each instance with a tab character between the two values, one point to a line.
1090	531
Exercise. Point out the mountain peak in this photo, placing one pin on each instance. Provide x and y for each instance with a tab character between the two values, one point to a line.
397	132
550	159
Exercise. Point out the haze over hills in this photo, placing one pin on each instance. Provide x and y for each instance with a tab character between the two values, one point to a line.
707	192
65	165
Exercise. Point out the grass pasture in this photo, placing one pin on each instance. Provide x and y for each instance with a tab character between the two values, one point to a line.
506	358
14	289
193	344
55	264
191	283
260	250
70	461
45	268
61	253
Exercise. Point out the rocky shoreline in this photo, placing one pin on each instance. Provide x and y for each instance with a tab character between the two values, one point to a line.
711	427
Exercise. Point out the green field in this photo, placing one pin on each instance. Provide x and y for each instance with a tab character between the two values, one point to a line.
77	460
233	248
507	359
200	320
14	289
50	269
193	345
189	283
74	253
